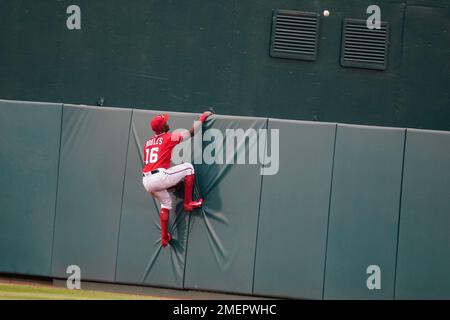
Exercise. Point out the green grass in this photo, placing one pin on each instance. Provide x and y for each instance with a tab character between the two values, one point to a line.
10	291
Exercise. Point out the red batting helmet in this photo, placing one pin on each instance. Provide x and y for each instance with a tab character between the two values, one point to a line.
158	121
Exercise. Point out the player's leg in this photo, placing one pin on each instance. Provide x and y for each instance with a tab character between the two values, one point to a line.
190	204
153	186
166	205
184	171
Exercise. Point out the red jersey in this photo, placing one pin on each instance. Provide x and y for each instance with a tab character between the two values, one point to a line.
158	150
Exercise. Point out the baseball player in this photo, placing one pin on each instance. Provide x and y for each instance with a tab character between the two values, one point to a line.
158	176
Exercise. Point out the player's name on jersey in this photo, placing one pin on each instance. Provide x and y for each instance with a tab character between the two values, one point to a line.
154	142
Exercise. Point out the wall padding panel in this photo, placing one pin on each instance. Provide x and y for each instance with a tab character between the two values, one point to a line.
424	239
29	152
141	259
222	235
93	153
290	256
364	210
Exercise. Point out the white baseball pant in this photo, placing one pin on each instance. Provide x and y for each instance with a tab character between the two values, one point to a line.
158	183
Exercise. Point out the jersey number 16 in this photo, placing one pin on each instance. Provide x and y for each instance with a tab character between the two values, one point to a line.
151	155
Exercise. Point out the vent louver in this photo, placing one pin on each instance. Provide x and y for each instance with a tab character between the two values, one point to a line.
294	35
363	47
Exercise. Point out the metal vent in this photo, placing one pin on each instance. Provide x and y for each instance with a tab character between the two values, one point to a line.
363	47
294	35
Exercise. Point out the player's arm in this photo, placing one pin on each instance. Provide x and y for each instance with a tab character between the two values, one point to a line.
197	124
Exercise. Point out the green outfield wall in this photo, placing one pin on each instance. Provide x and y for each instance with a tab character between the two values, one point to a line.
29	163
353	212
182	55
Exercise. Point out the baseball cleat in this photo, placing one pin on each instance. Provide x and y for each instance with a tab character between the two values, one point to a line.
166	240
193	205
